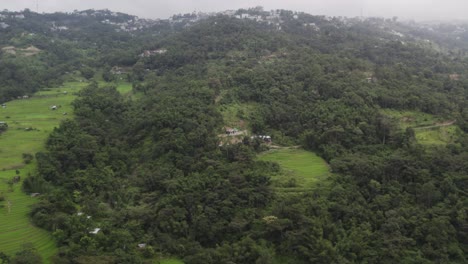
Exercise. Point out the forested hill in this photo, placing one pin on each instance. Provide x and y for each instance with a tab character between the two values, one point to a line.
155	181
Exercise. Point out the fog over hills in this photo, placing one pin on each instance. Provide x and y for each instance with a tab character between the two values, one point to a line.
415	9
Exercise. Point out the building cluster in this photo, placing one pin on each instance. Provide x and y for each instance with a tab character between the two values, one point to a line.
131	24
149	53
127	23
58	28
273	17
11	16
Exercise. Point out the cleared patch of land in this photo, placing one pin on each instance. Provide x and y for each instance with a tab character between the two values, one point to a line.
170	261
16	228
235	115
29	51
437	135
123	88
301	170
429	130
31	120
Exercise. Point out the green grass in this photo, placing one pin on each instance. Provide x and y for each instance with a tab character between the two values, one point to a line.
30	122
437	136
16	228
124	88
301	170
237	115
424	125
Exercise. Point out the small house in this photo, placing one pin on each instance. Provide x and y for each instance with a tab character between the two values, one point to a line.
54	107
231	131
149	53
265	138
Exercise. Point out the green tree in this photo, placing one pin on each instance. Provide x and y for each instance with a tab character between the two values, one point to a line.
27	255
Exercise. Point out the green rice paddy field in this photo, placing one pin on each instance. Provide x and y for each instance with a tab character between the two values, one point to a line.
301	170
30	121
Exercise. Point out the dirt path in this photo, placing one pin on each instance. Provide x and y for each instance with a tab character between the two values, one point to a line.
446	123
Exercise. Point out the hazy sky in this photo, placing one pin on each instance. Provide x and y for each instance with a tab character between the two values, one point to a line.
412	9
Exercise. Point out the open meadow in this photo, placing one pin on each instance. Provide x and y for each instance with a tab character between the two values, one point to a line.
301	170
429	130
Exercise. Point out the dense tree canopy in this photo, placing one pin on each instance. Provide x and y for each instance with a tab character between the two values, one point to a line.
150	170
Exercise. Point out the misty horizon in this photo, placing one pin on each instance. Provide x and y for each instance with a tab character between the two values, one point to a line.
449	10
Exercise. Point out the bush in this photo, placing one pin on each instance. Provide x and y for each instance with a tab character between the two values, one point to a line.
28	254
27	158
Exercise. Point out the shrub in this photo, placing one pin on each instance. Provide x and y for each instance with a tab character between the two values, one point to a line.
27	158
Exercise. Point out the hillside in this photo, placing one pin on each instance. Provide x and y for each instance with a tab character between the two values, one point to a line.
182	169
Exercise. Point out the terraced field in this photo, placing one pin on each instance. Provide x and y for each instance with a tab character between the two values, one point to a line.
15	227
301	170
30	121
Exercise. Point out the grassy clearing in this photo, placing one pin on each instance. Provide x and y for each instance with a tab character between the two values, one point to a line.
30	121
170	261
437	135
301	170
16	228
235	115
124	88
429	130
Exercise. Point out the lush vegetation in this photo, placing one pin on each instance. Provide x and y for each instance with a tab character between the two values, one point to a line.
138	179
30	121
